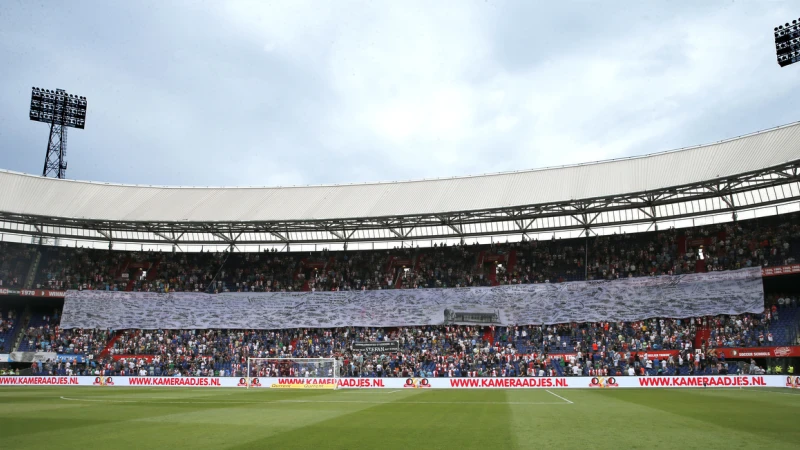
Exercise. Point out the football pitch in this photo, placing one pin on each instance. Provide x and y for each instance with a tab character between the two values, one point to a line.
221	418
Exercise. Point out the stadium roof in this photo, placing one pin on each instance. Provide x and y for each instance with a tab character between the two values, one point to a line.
403	210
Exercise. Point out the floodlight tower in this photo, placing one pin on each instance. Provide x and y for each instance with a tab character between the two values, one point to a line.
787	43
60	110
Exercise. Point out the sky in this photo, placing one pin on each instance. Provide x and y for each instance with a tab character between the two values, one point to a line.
280	93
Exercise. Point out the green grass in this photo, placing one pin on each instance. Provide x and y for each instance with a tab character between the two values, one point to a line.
176	418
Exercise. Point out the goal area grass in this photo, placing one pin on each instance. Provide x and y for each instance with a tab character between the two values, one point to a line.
231	418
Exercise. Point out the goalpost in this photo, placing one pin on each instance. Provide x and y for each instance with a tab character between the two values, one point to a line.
294	373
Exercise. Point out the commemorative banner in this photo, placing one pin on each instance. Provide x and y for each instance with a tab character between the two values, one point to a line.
377	347
30	357
630	299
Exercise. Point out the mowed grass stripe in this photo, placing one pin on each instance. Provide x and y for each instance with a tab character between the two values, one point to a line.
206	418
186	425
450	423
262	396
269	419
70	428
736	418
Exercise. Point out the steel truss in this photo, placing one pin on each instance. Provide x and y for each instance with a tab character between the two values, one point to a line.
765	187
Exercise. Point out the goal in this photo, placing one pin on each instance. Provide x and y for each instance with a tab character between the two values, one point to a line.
293	373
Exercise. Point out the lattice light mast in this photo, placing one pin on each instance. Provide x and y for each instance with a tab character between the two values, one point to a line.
787	43
60	110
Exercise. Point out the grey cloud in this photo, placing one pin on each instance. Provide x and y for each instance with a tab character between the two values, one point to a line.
184	94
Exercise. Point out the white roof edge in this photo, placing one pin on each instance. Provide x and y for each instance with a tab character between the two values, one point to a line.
458	177
31	195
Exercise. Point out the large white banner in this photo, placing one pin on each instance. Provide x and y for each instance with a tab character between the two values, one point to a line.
32	356
680	296
416	383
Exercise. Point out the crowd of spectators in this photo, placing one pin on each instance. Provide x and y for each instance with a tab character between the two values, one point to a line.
15	260
49	338
7	325
78	268
762	242
426	351
605	348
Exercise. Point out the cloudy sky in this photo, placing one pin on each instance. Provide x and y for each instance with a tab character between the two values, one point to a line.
318	92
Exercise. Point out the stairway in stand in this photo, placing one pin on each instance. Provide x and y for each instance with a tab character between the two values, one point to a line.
703	333
492	274
512	261
488	335
32	270
110	345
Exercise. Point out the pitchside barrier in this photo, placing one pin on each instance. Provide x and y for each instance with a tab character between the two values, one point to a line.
416	382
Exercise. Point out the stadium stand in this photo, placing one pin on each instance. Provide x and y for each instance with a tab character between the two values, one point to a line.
764	242
568	349
434	351
8	328
15	260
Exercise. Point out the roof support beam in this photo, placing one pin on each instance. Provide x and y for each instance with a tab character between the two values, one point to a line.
281	237
671	203
109	236
453	224
337	234
400	231
227	238
171	238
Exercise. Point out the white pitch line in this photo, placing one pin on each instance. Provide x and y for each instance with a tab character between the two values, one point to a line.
562	398
420	402
313	401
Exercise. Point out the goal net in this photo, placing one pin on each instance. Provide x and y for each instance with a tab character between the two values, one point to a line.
293	373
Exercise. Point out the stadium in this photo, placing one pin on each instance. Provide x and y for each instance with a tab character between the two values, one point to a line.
614	304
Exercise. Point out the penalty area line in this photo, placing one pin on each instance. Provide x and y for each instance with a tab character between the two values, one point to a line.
562	398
